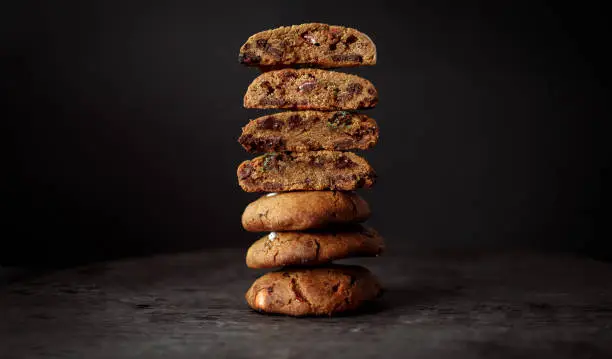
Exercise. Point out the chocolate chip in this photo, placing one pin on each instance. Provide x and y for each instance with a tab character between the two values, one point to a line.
247	46
307	86
264	144
272	187
354	88
266	85
347	58
278	54
344	162
351	39
270	123
261	43
248	58
371	91
294	122
245	171
288	74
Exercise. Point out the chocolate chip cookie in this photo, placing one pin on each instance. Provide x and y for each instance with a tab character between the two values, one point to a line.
310	89
313	44
305	171
279	249
324	290
296	211
304	131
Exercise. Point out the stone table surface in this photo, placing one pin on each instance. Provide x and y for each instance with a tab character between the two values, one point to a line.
436	305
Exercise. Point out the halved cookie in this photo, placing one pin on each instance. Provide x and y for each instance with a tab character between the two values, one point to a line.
305	171
303	131
310	89
312	44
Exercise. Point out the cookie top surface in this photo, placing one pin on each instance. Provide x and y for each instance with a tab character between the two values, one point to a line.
279	249
302	131
305	171
312	44
326	290
297	211
310	89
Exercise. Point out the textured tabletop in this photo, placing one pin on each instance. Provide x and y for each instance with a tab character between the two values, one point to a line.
435	306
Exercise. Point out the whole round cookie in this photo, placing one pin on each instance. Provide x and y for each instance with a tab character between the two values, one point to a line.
324	290
297	211
279	249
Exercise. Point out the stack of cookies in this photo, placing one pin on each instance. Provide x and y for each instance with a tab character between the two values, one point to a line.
311	211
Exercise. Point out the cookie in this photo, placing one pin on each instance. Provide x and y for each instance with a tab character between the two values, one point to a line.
315	45
324	290
296	211
304	131
305	171
279	249
310	89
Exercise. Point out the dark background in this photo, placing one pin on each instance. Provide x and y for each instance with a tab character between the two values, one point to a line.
121	121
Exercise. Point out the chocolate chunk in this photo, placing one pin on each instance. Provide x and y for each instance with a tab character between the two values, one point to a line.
347	58
248	58
371	91
289	74
272	187
245	171
351	39
354	88
271	101
294	122
307	86
266	85
247	46
270	123
278	54
261	144
261	43
332	47
344	162
333	36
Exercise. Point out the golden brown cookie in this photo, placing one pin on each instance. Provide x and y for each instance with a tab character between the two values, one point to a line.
310	89
303	131
313	44
305	171
296	211
279	249
324	290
